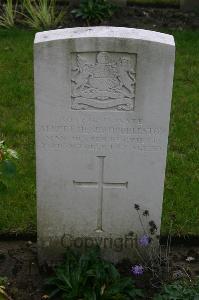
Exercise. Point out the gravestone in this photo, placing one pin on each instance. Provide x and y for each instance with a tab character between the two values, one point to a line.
103	97
190	5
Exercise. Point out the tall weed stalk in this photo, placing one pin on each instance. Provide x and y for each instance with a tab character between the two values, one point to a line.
8	14
42	14
155	258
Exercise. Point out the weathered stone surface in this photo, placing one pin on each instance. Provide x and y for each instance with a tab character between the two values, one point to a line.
190	5
103	98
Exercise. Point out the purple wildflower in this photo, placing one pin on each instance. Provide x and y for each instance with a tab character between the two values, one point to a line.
144	240
137	270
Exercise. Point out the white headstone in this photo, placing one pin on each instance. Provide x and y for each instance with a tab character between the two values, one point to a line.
103	97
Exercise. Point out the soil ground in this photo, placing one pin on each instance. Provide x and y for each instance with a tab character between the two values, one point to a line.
18	262
151	18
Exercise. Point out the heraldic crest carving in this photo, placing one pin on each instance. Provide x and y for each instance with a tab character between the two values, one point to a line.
103	81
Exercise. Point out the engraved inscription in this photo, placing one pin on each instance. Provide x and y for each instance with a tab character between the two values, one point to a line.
103	81
89	134
100	185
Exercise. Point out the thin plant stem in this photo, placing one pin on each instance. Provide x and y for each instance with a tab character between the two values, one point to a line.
140	256
168	247
141	222
186	274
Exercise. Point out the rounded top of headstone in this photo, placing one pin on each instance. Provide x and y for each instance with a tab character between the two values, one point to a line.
103	32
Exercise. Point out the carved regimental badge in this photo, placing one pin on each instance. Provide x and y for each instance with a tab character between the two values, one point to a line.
103	81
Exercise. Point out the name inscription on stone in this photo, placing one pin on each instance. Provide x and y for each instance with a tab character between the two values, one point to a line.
86	134
103	81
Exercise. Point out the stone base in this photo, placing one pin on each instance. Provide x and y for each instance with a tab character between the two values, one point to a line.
190	5
51	250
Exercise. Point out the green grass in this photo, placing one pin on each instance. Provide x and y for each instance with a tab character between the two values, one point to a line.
181	193
18	207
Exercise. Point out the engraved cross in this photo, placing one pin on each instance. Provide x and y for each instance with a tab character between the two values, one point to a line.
100	184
